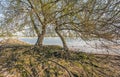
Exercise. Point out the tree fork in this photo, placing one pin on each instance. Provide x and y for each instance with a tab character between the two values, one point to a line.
41	36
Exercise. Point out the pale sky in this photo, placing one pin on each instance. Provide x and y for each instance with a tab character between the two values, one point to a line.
2	3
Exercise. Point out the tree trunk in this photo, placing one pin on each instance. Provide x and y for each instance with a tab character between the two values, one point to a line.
41	36
62	39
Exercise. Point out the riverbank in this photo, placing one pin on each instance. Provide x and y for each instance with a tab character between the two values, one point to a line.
51	60
91	46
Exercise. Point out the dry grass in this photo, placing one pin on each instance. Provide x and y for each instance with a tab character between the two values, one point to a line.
11	41
53	61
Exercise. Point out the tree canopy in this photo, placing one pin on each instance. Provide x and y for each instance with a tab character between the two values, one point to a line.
81	18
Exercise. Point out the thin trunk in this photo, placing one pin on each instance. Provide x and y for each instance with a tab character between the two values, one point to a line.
34	25
62	39
41	36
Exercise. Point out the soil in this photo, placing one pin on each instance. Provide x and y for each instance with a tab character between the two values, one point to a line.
19	59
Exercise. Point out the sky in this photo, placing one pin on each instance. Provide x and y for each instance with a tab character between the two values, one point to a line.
0	10
2	3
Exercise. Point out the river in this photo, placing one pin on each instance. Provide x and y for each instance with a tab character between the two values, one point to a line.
90	46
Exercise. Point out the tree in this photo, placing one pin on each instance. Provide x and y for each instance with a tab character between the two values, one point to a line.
85	18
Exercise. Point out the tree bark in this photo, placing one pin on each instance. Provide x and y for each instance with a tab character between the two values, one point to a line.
41	36
62	39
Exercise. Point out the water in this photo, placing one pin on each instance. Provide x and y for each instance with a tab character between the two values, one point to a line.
46	41
93	46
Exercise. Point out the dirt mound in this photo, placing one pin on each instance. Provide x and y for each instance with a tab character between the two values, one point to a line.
11	41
